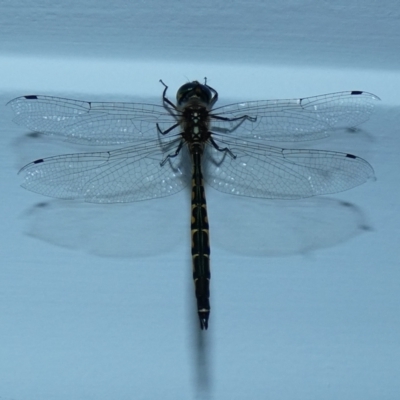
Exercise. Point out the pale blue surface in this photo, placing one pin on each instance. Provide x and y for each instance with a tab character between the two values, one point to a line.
93	307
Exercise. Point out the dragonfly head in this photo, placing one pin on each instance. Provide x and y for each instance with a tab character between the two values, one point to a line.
193	90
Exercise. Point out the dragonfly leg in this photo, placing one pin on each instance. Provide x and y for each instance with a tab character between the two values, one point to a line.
214	92
167	130
222	149
165	98
241	118
177	151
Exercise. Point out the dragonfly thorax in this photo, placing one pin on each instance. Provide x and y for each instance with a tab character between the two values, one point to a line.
195	122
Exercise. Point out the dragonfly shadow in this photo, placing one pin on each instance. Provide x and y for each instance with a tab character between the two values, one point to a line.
258	227
247	226
142	228
202	363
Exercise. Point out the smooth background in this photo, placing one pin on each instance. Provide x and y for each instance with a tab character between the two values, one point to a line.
96	302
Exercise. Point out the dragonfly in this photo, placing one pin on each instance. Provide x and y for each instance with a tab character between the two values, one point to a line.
189	142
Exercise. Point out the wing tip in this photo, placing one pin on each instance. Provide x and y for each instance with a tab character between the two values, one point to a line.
361	92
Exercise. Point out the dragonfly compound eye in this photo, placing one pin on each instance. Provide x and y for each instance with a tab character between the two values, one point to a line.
193	90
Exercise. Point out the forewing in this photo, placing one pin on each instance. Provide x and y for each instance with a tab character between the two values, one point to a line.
275	173
128	174
295	119
86	122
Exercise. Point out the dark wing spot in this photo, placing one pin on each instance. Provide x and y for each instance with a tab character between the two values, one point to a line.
350	156
355	92
31	97
38	161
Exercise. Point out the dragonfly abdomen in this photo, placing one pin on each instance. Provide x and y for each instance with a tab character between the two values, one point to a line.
200	240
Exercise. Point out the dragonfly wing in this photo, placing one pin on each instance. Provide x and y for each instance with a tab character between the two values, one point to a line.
275	173
128	174
295	119
90	122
